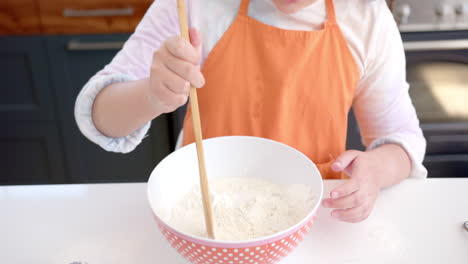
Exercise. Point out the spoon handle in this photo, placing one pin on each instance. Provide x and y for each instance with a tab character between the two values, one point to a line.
197	131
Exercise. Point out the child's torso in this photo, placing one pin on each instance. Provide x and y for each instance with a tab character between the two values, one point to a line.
295	87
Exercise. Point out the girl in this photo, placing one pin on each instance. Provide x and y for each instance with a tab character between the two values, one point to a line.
288	70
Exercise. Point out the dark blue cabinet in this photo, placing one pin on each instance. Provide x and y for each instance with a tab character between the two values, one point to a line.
26	91
30	142
31	153
41	142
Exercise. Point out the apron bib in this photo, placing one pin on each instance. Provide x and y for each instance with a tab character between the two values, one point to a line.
294	87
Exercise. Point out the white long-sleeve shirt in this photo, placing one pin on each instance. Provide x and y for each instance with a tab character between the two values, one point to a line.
381	104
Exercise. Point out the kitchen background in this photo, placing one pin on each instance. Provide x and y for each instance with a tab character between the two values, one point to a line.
50	48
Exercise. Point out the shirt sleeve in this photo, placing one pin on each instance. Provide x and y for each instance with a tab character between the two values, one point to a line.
133	62
382	104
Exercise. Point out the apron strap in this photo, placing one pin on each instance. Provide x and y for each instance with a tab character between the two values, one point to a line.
244	7
331	17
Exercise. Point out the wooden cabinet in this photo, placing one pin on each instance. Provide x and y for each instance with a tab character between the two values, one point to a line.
23	17
19	17
39	138
91	16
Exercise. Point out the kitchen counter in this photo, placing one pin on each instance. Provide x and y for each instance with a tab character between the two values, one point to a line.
418	221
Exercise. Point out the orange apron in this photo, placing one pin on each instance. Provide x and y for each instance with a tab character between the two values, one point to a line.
294	87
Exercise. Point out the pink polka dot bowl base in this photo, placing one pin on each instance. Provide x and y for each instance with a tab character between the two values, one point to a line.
235	156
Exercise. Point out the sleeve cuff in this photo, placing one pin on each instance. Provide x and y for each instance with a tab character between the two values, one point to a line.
417	169
83	115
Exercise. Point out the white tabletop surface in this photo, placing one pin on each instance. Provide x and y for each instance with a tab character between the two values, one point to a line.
418	221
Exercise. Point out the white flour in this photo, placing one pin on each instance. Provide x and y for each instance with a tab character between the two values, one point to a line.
244	208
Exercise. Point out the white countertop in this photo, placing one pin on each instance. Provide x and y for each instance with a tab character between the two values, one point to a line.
418	221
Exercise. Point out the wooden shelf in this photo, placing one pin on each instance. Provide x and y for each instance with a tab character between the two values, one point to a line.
22	17
91	16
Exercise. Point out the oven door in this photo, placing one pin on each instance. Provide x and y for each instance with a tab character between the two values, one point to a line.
437	71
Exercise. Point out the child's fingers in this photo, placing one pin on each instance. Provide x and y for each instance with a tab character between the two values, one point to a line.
354	199
355	214
195	37
171	99
184	69
345	189
345	160
173	81
182	49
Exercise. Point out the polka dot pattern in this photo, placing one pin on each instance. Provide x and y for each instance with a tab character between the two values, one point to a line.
271	253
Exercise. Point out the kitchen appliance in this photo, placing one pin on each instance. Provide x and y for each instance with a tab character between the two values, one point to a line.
435	37
235	156
430	15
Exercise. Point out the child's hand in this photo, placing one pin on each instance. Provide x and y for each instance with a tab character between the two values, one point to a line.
175	66
369	172
355	199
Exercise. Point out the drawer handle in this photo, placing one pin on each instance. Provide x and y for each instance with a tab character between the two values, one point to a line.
105	45
459	158
68	12
436	45
448	138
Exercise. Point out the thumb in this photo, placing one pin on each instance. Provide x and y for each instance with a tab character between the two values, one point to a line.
344	160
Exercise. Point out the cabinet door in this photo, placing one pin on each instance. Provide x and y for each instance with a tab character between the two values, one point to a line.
30	143
25	89
31	154
74	60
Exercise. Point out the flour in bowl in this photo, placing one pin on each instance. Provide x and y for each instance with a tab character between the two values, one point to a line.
244	208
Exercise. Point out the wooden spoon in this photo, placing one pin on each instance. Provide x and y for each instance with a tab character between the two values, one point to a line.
197	131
